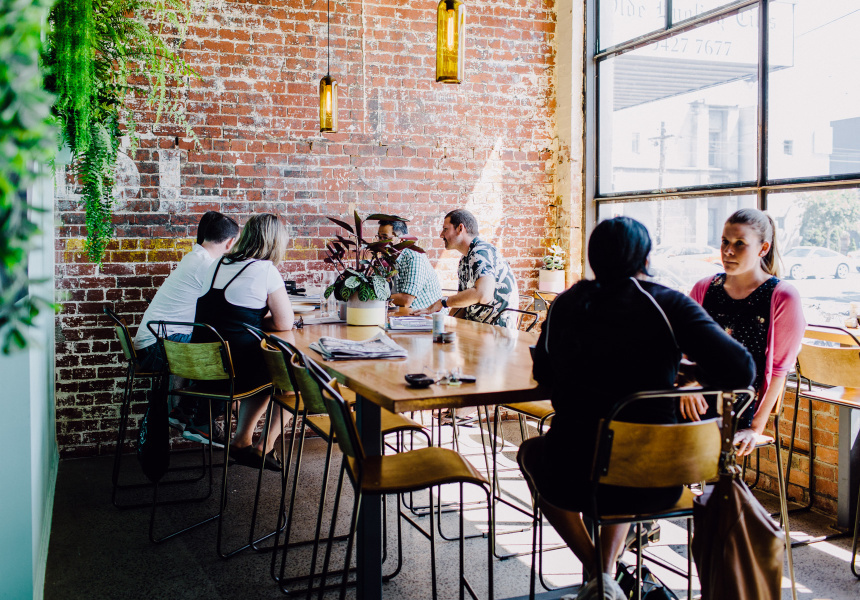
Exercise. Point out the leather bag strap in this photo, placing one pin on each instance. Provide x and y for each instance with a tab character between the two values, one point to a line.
728	454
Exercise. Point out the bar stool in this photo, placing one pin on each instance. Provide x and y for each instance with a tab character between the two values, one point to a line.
400	473
521	313
290	371
628	462
542	301
134	372
210	366
833	376
539	410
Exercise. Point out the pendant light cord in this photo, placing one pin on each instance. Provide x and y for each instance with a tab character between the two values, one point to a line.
328	34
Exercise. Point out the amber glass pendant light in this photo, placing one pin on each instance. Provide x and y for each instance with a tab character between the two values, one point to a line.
450	41
328	88
328	105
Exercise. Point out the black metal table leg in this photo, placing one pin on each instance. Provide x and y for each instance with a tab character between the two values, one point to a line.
369	542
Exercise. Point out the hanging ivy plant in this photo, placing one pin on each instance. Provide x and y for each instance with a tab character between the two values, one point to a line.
26	140
99	52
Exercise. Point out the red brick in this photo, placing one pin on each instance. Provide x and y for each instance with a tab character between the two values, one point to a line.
255	114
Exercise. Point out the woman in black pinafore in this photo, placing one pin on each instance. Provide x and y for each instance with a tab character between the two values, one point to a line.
245	287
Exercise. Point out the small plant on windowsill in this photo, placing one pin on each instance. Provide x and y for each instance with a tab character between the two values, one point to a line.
551	274
554	259
365	269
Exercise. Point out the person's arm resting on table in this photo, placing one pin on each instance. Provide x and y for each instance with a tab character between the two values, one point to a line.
402	299
482	293
720	361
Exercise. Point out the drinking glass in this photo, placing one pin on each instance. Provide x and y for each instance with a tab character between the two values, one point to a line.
328	306
313	287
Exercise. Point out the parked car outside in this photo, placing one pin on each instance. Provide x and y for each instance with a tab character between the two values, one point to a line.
814	261
854	255
691	251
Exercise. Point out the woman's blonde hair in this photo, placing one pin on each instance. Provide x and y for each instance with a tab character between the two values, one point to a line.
766	229
263	237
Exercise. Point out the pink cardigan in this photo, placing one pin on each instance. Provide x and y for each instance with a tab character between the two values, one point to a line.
787	325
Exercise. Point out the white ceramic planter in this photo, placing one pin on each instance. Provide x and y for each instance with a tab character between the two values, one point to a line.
551	280
371	312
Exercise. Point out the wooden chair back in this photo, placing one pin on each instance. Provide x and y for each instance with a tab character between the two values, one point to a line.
204	361
200	361
648	456
276	363
302	381
342	423
484	315
836	366
542	301
520	315
122	335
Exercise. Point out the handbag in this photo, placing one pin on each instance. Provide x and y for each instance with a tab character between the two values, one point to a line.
737	546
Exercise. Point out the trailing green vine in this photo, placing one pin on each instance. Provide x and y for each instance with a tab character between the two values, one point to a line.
26	140
104	56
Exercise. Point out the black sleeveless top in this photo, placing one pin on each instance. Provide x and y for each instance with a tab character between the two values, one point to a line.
214	309
748	321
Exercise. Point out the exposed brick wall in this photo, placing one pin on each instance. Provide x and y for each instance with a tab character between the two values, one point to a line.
406	145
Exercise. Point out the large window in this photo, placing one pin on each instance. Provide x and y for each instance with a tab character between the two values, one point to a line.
698	110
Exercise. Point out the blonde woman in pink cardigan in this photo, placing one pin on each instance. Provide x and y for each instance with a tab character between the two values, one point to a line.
757	309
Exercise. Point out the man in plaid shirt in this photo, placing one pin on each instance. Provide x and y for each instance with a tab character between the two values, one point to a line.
416	284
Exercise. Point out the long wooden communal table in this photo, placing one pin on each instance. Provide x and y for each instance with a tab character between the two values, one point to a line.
499	358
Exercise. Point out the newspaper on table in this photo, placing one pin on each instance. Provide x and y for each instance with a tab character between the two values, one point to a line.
380	346
410	324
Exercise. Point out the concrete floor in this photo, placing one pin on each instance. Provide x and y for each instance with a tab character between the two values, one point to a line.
98	551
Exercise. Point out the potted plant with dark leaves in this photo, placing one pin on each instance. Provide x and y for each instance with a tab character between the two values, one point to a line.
365	269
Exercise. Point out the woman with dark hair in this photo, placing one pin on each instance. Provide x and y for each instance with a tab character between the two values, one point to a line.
603	340
757	309
245	287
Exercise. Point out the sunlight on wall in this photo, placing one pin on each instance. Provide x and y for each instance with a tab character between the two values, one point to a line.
485	202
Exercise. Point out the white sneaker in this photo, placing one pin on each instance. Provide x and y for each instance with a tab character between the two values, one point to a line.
611	590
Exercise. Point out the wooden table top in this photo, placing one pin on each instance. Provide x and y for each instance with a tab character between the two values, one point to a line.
831	335
498	357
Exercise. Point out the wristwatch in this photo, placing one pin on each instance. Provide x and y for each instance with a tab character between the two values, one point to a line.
444	302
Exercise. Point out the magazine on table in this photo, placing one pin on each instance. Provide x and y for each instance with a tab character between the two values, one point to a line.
380	346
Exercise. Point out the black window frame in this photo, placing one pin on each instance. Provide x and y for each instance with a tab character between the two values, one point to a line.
761	187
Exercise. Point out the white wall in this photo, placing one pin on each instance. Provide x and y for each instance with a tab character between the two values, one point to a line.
28	444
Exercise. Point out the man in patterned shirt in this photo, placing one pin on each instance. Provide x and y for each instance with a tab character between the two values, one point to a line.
484	276
416	284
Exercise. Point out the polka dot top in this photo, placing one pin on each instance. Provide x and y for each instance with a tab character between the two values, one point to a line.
747	320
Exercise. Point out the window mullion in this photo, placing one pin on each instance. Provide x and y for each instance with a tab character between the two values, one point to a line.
761	167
